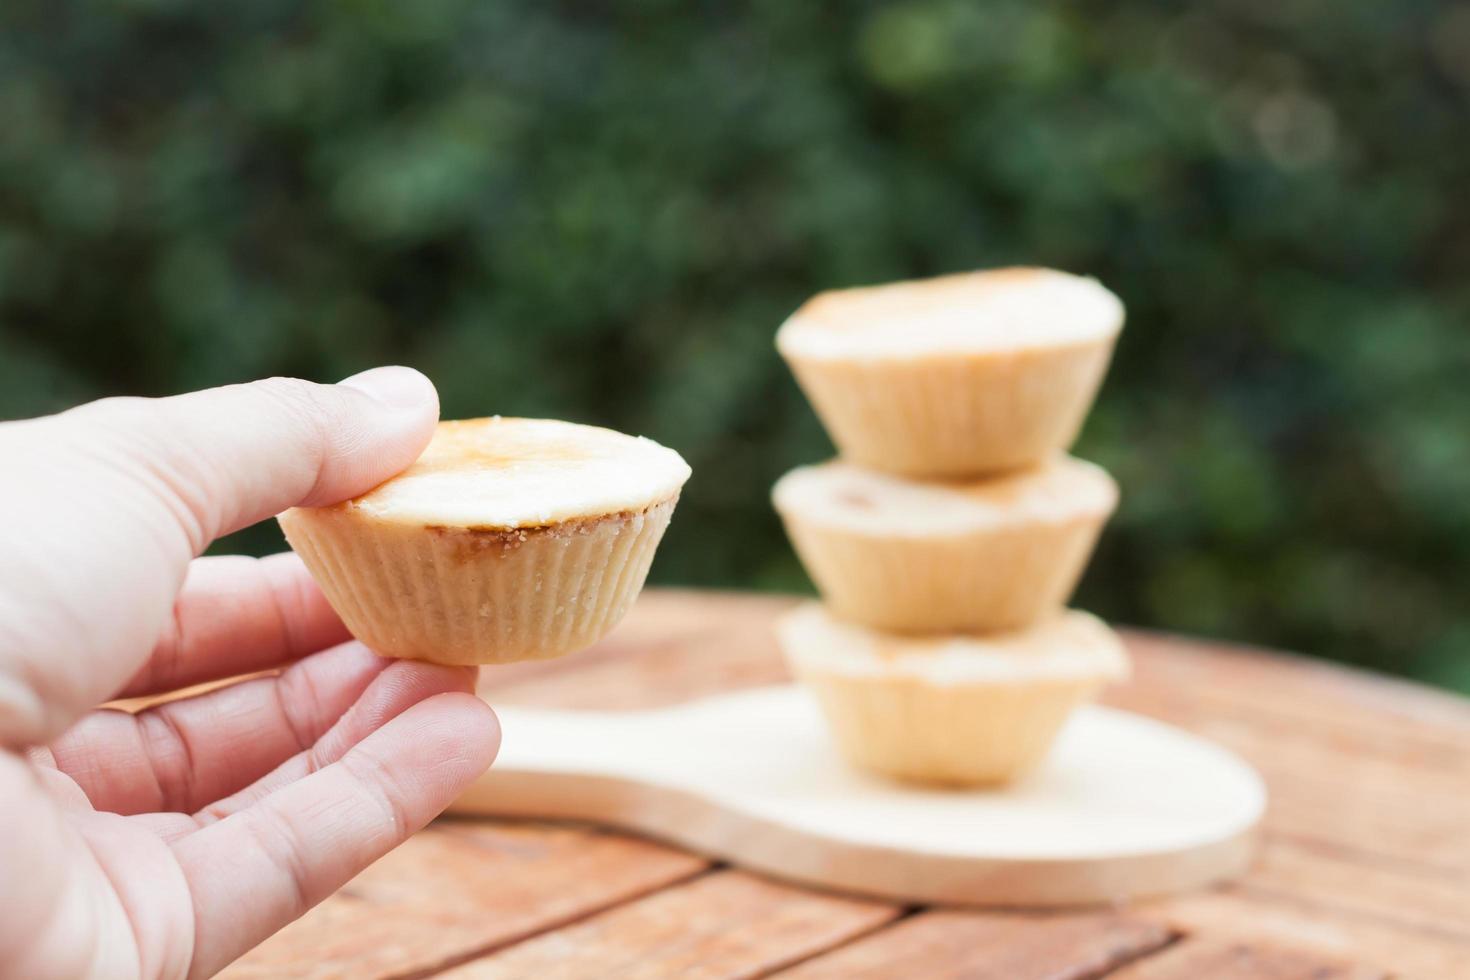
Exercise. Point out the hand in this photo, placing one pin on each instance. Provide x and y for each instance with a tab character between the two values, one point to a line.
168	842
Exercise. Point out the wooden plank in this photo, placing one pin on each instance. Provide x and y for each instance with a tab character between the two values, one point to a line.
976	946
721	926
1249	915
1384	742
460	887
1390	893
1420	826
1203	959
1404	917
1415	756
1322	692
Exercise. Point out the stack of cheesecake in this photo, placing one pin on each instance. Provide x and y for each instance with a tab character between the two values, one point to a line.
948	536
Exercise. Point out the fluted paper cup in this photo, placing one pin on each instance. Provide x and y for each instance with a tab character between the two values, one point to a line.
961	711
982	556
455	595
955	376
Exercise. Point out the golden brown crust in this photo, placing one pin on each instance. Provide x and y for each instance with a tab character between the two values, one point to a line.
472	541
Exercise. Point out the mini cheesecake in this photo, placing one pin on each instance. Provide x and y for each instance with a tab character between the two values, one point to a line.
973	556
956	376
508	539
954	710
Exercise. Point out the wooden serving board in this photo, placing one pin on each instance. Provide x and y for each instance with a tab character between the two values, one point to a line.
1124	806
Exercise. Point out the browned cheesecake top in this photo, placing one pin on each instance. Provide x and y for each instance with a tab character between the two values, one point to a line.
994	311
513	473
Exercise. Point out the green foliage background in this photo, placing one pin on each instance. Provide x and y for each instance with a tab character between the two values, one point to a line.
602	211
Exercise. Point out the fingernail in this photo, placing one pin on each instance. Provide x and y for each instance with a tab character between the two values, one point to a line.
396	387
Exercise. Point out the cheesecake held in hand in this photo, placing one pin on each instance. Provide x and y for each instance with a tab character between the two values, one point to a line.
508	539
165	842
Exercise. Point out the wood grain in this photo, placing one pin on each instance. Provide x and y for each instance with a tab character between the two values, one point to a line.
724	925
954	945
1390	893
1325	930
1364	874
1211	960
458	888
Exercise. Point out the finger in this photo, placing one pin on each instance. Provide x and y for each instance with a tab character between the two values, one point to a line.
37	852
397	689
224	458
120	494
62	787
236	615
183	754
258	869
168	827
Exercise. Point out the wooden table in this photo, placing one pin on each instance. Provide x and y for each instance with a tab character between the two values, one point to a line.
1364	872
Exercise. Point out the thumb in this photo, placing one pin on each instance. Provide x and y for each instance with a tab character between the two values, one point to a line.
120	494
227	457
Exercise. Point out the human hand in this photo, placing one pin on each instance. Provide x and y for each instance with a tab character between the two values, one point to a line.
168	842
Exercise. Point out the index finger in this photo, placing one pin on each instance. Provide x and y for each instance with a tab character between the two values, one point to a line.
236	615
